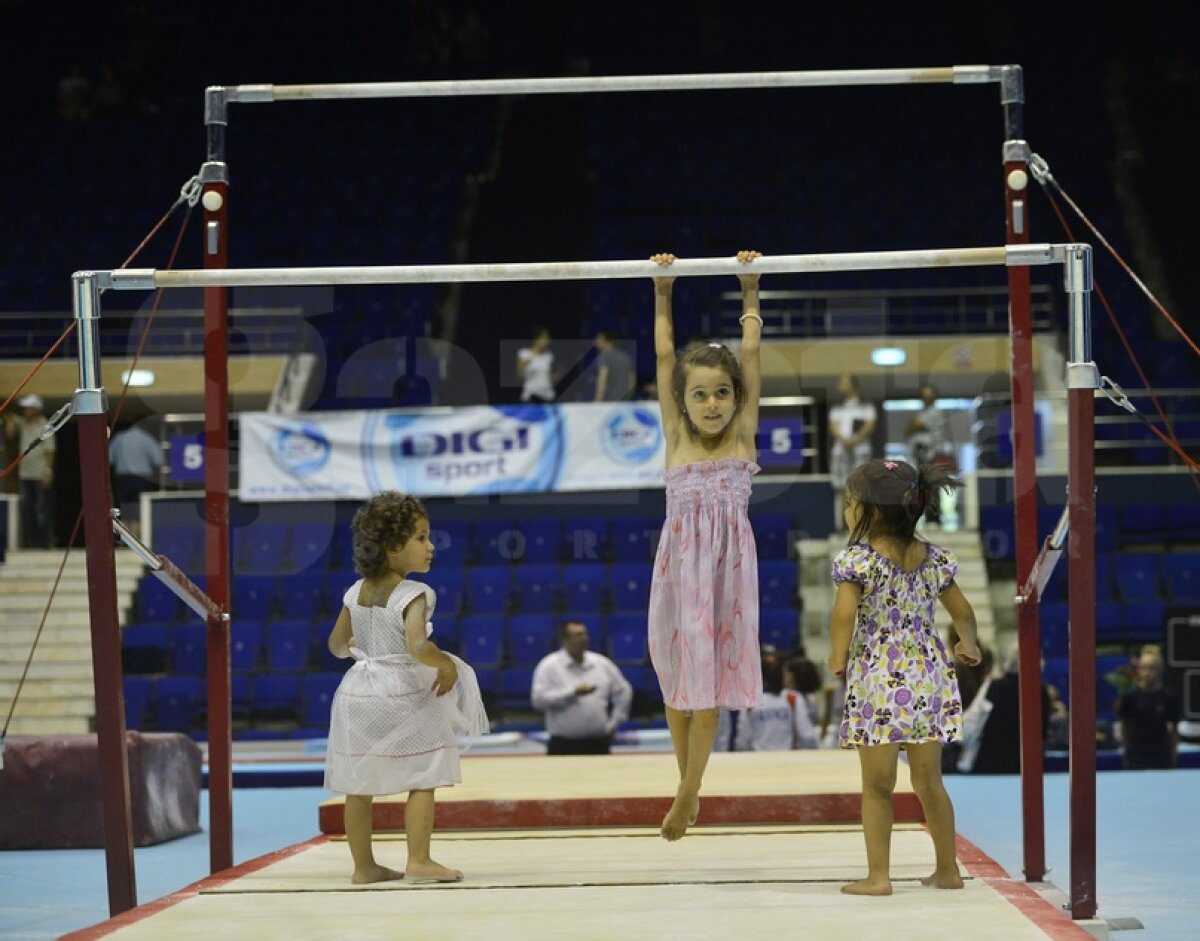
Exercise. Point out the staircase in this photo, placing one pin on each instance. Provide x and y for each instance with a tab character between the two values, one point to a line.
817	588
58	695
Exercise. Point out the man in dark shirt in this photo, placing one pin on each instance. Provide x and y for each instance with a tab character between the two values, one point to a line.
1000	745
1148	714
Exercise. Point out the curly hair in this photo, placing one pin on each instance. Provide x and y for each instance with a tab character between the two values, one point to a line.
386	522
893	496
713	355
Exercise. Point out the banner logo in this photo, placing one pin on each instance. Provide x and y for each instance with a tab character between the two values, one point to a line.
301	448
632	435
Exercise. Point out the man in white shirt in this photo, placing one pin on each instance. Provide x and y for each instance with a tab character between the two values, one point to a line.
35	473
583	695
851	424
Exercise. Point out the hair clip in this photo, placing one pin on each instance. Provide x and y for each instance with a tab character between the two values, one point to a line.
890	465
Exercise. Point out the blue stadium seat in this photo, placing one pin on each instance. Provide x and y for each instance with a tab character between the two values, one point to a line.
1054	628
481	639
498	542
1138	576
189	649
261	548
586	541
644	682
287	646
1144	621
451	543
177	702
1110	620
239	695
627	638
772	535
1181	573
183	545
144	648
311	545
245	645
488	589
777	581
634	538
448	583
1142	523
543	540
139	693
530	637
253	596
585	586
779	627
305	595
536	588
316	696
630	585
516	684
156	602
274	696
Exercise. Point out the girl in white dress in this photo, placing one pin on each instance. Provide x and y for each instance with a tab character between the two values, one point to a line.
400	709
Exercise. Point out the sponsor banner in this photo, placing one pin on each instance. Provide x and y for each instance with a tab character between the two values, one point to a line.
466	451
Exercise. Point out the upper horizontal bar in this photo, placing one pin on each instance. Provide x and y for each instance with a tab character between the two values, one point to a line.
147	279
960	74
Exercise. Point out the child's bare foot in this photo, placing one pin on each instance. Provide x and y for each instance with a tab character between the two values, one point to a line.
683	813
871	885
944	879
431	872
375	874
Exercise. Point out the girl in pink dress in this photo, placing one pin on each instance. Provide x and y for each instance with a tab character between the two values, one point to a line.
703	622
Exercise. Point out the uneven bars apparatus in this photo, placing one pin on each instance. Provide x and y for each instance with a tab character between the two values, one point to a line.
214	179
90	408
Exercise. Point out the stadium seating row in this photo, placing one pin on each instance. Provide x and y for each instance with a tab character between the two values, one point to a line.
297	645
530	589
269	546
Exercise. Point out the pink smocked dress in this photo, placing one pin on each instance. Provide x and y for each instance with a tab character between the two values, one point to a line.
704	593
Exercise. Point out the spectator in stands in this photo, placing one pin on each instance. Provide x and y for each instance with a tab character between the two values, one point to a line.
802	683
35	472
1000	746
583	694
136	458
929	443
1149	713
774	723
851	424
535	368
615	375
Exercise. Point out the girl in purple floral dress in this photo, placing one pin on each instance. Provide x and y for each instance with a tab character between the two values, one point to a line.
901	688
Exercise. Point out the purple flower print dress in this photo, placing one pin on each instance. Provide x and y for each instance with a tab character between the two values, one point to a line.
900	681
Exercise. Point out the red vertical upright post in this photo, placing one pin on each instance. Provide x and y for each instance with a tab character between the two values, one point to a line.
216	516
90	409
1082	381
1016	193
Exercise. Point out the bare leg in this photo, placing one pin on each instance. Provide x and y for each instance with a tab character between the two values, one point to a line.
358	835
925	770
693	736
878	763
418	827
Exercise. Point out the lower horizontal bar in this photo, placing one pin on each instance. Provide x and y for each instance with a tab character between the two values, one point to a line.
131	279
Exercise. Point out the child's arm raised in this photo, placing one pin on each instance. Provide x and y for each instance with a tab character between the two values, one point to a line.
751	321
841	625
664	348
340	638
425	651
963	615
